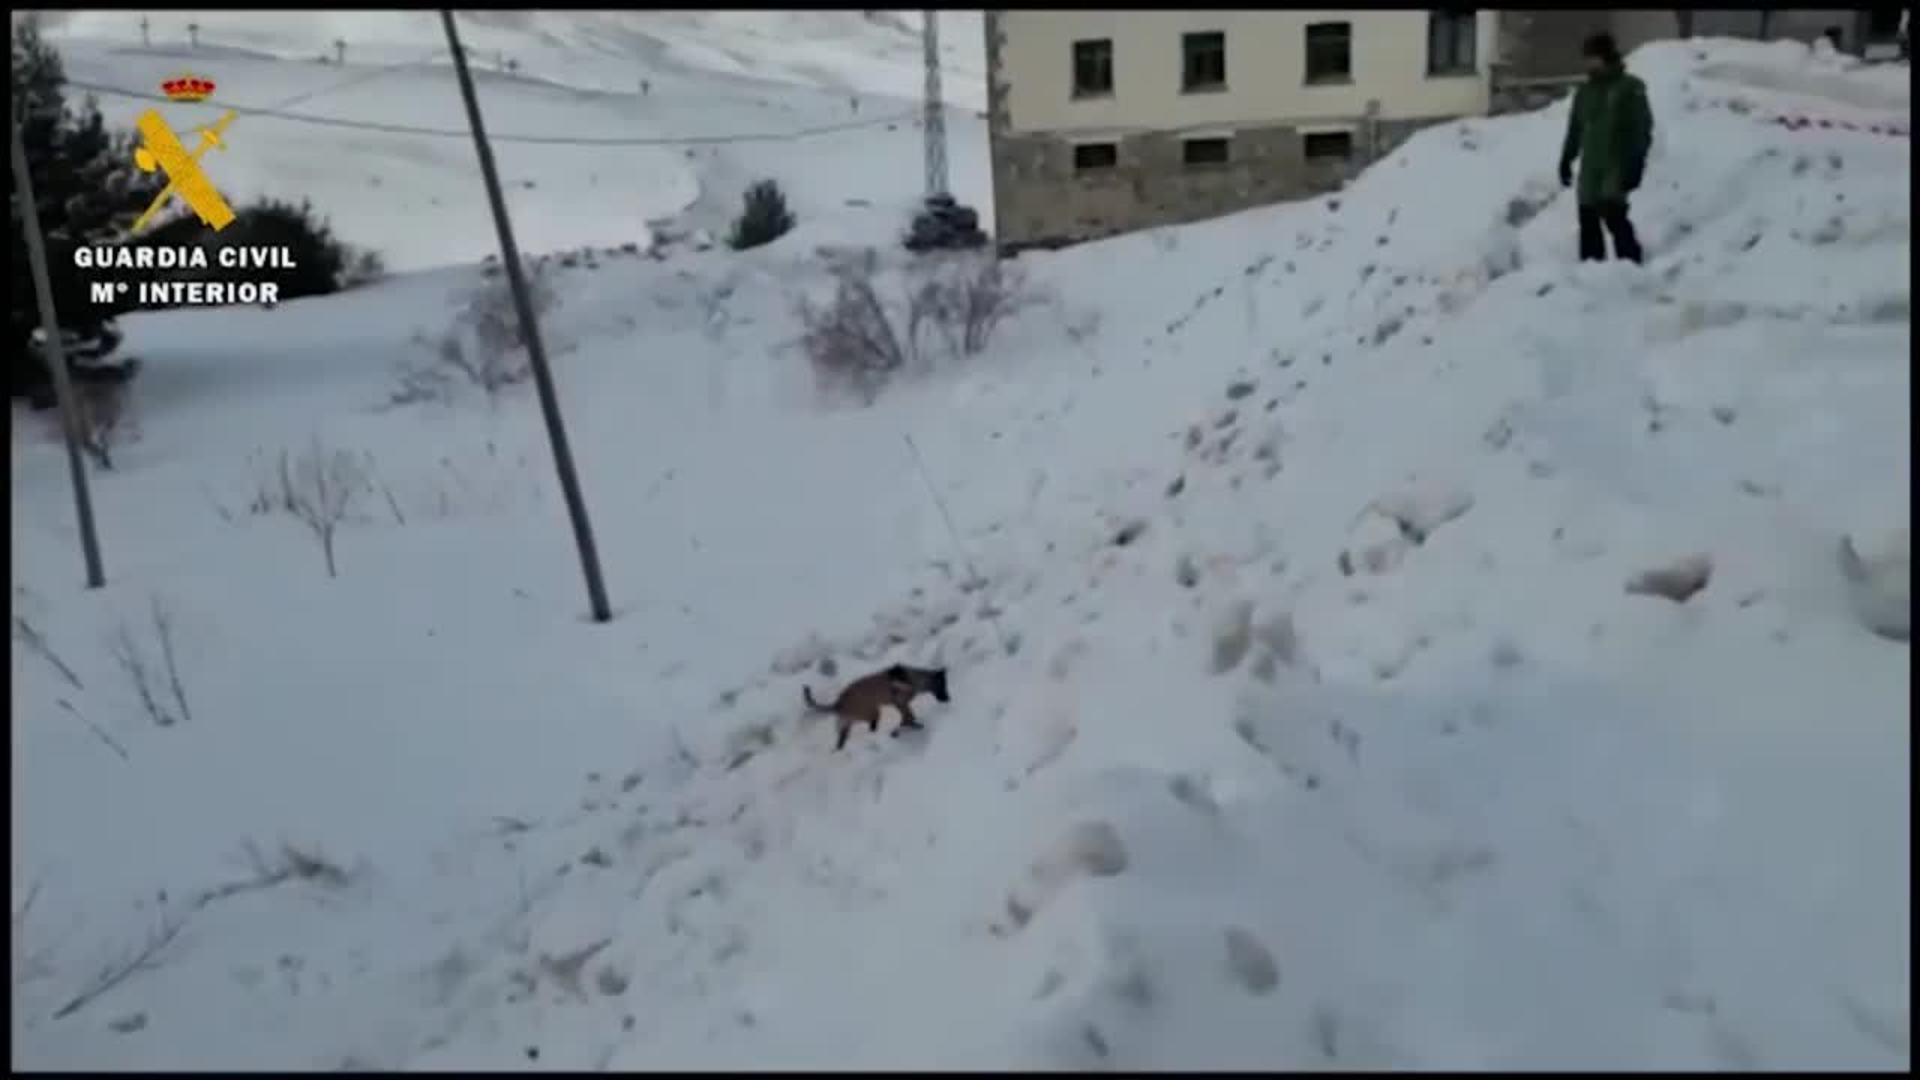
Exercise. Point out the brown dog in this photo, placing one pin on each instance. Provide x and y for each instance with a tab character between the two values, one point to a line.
864	697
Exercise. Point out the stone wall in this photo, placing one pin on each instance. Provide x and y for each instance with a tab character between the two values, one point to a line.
1526	95
1041	201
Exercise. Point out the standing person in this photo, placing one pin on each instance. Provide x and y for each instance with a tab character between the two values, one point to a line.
1609	130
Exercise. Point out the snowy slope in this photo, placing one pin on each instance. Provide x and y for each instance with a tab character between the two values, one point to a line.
825	102
1268	784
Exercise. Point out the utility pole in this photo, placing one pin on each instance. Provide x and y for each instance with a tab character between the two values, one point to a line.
530	331
56	353
934	124
145	40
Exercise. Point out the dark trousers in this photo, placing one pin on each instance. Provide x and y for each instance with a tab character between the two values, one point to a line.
1612	216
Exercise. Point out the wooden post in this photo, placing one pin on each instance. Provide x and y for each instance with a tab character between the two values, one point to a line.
530	331
56	355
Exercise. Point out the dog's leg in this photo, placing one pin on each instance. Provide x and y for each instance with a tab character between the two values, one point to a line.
845	726
907	722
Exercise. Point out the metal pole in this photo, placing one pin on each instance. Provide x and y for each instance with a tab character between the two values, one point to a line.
530	330
56	350
934	124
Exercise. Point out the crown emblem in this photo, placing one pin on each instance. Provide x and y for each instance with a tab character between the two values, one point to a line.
189	88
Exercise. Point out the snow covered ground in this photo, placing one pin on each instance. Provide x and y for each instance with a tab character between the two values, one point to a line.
586	157
1302	714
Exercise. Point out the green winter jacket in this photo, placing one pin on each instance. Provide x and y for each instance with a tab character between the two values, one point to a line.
1609	129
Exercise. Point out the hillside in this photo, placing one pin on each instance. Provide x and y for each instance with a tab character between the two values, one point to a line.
826	102
1303	715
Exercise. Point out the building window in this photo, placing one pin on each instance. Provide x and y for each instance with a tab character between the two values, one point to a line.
1203	61
1093	68
1211	151
1329	52
1095	156
1328	145
1450	41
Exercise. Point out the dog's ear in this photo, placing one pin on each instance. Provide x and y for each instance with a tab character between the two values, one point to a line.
897	672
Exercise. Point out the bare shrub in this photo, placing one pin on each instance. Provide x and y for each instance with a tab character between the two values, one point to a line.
321	489
986	293
484	347
165	704
966	297
363	266
957	302
266	872
489	315
852	342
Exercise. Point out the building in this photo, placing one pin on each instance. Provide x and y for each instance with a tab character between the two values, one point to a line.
1102	122
1107	121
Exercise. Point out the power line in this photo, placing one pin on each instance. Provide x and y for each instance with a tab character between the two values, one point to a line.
363	77
543	140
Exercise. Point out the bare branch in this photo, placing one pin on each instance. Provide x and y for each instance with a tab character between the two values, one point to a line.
26	906
29	635
133	661
320	490
98	733
293	865
113	975
163	629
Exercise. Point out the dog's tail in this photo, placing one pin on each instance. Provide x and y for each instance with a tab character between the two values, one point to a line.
807	693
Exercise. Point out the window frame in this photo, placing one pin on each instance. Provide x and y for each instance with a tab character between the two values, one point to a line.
1110	145
1187	143
1454	20
1078	90
1307	41
1190	49
1307	139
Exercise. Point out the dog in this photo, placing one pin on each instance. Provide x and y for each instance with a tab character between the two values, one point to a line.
863	698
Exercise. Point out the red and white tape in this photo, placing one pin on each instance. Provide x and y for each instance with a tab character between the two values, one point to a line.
1810	123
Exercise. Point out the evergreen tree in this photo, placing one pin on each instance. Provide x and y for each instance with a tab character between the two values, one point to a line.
764	217
85	185
319	257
